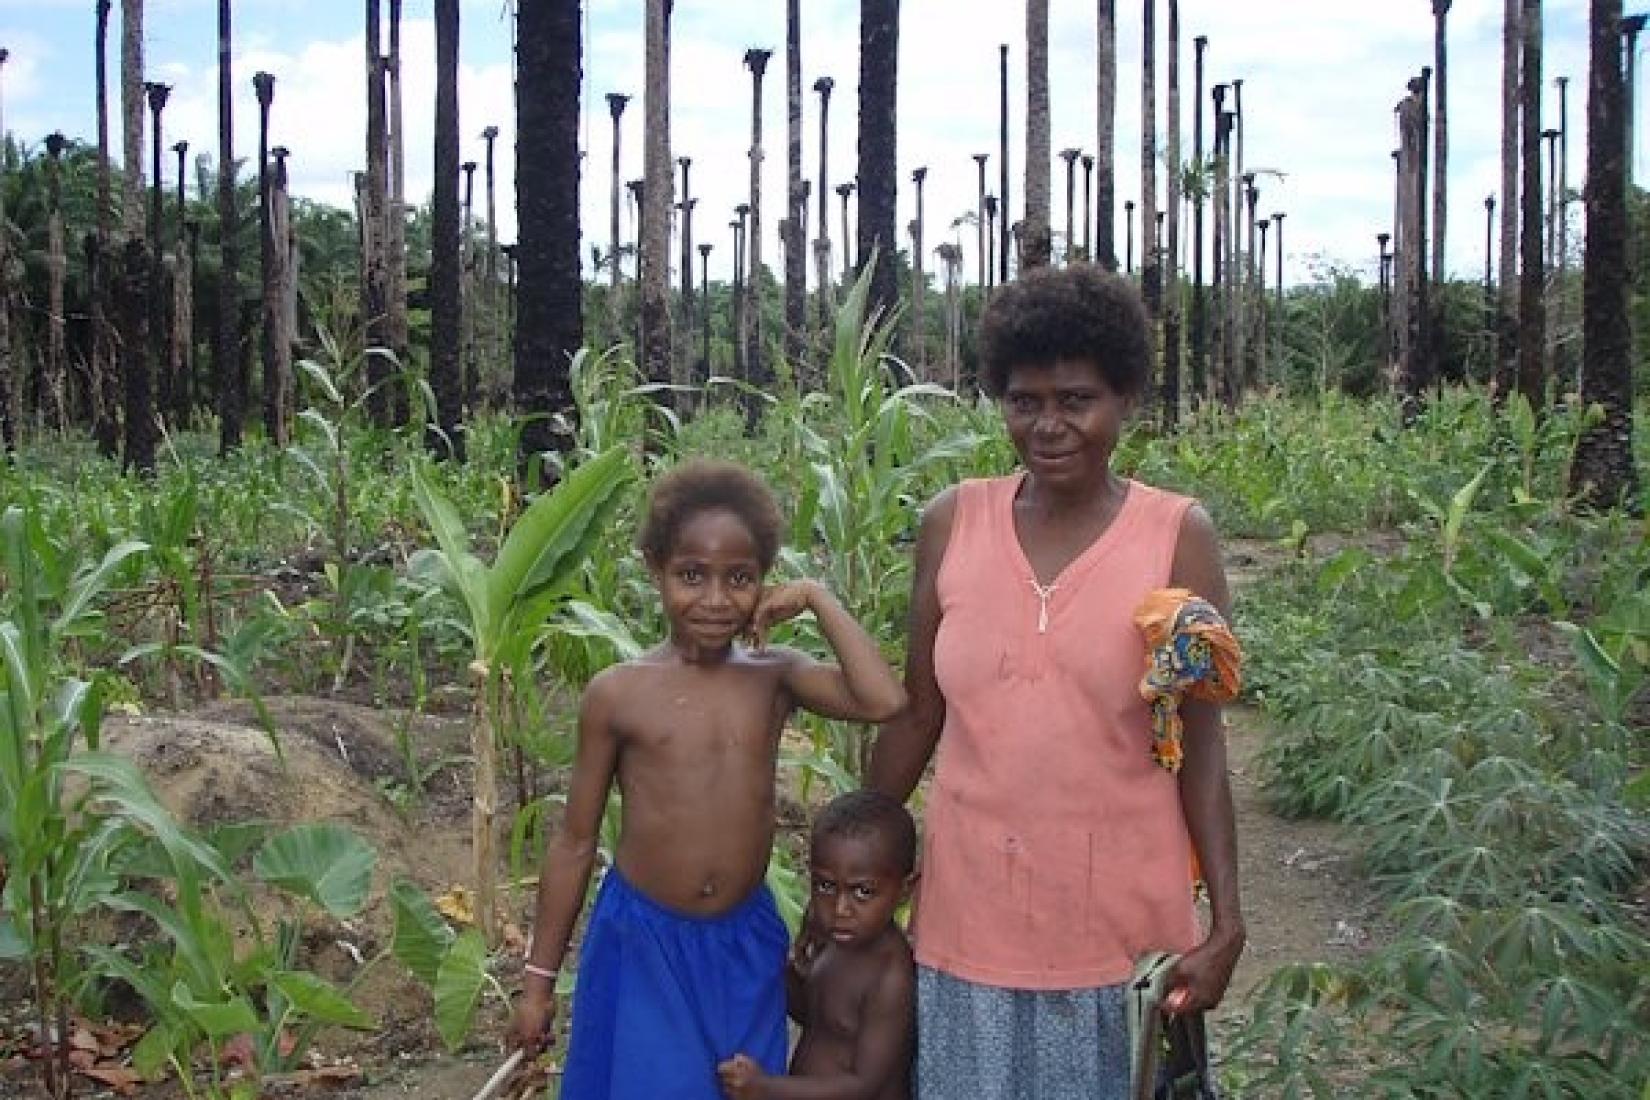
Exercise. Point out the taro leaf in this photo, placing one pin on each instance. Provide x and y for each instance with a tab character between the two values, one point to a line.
218	1019
12	944
422	938
458	986
319	1000
326	864
155	1050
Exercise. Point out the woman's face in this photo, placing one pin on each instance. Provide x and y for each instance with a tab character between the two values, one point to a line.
1064	420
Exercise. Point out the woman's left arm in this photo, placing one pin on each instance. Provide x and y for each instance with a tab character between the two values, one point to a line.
1206	791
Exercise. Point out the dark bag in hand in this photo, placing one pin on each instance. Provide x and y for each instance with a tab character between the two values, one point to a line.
1169	1053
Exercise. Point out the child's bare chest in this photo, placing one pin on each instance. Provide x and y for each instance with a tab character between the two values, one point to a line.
678	712
837	994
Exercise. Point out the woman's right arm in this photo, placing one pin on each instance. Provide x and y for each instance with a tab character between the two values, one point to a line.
906	742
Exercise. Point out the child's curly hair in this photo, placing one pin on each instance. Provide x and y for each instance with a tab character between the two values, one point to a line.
702	485
1078	312
872	814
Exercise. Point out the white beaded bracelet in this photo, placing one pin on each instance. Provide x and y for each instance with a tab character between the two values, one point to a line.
539	971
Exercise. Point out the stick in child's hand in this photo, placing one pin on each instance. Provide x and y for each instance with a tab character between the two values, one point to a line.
497	1080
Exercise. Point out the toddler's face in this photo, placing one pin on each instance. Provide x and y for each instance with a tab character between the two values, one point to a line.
856	888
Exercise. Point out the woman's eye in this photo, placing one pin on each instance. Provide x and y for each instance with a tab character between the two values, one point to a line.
1073	402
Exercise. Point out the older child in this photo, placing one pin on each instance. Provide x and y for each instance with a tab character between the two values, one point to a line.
851	983
681	961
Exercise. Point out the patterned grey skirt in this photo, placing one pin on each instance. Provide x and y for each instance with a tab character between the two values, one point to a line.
979	1042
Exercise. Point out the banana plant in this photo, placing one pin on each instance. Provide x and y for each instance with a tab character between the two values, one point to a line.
537	567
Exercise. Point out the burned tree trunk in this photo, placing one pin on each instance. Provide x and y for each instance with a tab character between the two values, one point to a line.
227	361
657	198
138	383
1105	140
53	393
1037	235
1172	307
796	245
374	231
1532	319
1506	359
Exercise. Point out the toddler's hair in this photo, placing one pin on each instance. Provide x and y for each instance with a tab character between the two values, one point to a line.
702	485
867	813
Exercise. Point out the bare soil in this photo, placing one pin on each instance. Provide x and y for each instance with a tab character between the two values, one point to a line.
1303	897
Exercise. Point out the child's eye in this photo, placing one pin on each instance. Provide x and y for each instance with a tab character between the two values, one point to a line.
690	575
824	887
742	580
864	892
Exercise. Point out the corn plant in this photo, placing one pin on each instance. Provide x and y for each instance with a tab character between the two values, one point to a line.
46	718
537	567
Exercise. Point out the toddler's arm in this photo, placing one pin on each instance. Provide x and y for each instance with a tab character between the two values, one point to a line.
882	1054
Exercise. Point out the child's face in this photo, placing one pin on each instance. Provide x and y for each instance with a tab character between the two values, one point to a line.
711	581
856	888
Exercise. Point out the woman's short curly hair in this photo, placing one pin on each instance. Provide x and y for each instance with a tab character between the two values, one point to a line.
1076	312
703	485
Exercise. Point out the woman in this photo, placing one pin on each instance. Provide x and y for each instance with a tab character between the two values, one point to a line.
1056	850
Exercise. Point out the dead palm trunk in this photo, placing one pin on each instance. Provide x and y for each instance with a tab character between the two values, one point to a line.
52	395
549	313
985	272
1549	246
738	304
796	243
134	361
615	109
1151	284
131	108
1602	474
183	305
1506	359
1128	236
396	322
845	191
1002	164
755	352
991	232
275	384
160	337
374	230
104	382
1200	335
1036	233
1172	309
10	408
1070	157
1278	316
686	207
1560	317
1250	281
704	310
488	298
1532	277
227	363
446	324
1262	334
1105	142
919	281
951	256
468	356
657	198
1237	272
1437	273
1088	207
1221	277
878	149
1413	374
822	247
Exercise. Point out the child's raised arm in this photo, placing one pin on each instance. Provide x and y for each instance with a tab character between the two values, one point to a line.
862	688
881	1054
568	859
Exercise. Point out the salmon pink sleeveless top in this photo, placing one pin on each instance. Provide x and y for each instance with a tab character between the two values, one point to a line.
1055	850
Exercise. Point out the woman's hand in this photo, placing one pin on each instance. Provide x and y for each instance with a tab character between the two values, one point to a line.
1199	980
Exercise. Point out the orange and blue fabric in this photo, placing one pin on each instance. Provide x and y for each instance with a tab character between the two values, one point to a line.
1191	653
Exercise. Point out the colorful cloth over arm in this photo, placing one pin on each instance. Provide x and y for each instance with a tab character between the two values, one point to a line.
1190	653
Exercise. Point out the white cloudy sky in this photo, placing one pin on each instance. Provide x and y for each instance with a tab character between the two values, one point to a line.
1321	78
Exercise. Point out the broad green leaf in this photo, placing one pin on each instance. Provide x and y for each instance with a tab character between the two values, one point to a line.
326	864
118	782
458	985
465	574
552	535
218	1019
153	1054
421	938
319	1000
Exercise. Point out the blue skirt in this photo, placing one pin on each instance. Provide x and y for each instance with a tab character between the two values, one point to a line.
663	996
981	1042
